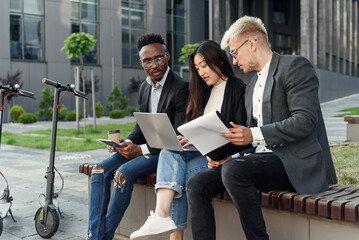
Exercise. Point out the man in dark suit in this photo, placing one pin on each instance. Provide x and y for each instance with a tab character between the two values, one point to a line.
162	91
285	126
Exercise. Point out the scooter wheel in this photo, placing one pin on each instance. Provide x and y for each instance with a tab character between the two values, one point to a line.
1	225
48	229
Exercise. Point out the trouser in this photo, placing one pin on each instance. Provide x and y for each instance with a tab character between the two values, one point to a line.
173	171
101	226
241	177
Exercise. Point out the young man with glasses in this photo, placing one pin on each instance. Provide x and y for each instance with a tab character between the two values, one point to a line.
285	126
162	91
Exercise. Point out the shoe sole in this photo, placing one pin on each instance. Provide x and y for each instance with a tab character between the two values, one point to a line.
154	236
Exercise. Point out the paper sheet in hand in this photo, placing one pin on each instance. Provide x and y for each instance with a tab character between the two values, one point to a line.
158	131
204	132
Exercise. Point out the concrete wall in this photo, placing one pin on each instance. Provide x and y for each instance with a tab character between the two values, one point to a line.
334	85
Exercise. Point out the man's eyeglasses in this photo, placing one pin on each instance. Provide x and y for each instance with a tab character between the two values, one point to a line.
234	51
158	61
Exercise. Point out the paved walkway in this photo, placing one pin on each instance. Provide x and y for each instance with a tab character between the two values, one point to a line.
25	170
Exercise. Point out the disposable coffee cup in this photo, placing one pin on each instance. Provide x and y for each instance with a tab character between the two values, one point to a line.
114	135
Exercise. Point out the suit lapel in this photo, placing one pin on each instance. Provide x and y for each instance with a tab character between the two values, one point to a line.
266	103
166	89
146	97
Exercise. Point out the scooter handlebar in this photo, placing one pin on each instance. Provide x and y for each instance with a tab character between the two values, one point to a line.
26	94
79	94
50	82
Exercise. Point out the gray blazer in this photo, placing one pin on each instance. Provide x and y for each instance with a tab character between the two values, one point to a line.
293	125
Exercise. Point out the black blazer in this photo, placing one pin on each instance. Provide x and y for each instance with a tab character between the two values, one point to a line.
233	107
173	102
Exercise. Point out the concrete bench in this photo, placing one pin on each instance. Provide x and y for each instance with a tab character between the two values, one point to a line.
329	215
352	127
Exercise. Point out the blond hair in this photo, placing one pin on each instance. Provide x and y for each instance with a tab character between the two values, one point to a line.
243	25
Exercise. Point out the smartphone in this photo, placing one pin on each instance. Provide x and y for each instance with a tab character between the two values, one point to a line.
111	143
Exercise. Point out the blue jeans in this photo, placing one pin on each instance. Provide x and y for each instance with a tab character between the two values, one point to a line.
173	171
101	226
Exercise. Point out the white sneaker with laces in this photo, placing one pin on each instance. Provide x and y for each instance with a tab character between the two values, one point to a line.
154	227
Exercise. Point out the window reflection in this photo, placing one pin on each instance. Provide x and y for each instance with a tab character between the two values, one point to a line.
133	26
27	29
84	15
176	29
283	43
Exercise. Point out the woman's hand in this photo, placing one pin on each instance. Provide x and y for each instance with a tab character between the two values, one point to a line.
216	164
184	141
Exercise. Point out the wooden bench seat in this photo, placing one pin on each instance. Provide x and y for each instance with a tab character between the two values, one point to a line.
339	204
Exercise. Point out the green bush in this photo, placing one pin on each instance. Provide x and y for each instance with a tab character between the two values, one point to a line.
131	110
99	110
62	112
186	50
116	100
71	116
46	103
27	118
117	114
15	112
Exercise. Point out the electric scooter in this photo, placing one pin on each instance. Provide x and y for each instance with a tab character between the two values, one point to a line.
47	218
5	197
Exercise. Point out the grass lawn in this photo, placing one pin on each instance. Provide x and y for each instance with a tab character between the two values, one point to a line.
68	140
346	162
348	111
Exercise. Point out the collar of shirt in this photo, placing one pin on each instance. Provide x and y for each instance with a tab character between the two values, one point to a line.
159	83
264	72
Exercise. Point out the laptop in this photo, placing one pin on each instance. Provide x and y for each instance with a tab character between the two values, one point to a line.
158	131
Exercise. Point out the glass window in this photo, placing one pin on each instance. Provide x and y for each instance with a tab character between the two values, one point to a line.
133	26
27	29
280	11
283	43
84	16
33	6
176	30
15	5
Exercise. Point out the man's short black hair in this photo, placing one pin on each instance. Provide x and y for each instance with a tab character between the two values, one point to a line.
149	38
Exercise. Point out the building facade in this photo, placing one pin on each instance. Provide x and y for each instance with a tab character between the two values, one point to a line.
33	32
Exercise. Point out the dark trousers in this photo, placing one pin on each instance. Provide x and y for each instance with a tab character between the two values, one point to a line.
241	177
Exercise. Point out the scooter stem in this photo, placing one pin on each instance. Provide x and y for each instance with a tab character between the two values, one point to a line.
50	170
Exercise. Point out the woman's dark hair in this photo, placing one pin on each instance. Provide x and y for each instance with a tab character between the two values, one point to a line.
217	60
149	38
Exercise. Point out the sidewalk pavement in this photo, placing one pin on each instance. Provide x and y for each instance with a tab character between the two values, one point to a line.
25	169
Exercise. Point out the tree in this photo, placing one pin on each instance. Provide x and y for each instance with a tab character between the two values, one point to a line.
186	50
116	100
46	103
78	44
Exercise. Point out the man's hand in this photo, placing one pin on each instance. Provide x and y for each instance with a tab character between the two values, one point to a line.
215	164
112	149
129	150
239	135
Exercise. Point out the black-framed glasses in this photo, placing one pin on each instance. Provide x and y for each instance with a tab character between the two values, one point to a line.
157	61
234	52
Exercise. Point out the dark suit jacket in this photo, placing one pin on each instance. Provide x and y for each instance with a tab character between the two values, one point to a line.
293	125
233	108
173	102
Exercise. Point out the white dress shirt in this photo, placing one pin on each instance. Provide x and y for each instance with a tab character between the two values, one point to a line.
156	90
258	139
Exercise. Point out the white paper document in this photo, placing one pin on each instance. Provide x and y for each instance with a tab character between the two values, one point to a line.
204	132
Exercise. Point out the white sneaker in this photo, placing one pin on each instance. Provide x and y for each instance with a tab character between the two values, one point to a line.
154	227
